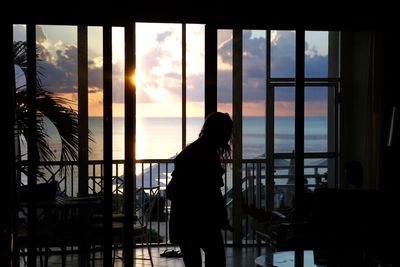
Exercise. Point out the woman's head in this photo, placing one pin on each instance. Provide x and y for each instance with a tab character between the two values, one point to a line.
217	130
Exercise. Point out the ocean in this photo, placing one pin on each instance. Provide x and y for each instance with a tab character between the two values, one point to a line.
160	138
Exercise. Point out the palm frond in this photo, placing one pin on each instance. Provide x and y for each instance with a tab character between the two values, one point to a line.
20	59
64	118
57	109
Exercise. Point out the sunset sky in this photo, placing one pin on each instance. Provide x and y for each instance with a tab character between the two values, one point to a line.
158	73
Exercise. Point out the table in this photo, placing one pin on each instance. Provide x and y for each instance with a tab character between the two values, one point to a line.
64	221
285	259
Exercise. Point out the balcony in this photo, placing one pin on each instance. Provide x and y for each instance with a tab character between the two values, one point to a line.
157	172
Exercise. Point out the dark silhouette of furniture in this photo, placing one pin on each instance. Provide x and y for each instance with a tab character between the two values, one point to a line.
146	197
355	225
265	224
61	222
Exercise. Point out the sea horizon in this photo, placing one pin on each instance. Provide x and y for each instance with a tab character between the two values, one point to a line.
161	137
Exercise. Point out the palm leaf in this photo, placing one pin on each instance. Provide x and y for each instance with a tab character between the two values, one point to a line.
57	109
64	118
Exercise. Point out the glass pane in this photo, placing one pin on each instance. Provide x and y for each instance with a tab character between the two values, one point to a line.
284	119
333	54
317	172
118	89
254	70
284	183
95	95
58	70
253	137
283	54
19	34
316	54
316	119
159	90
224	68
253	181
194	80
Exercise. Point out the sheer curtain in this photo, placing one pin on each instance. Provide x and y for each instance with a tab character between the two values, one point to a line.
383	96
374	112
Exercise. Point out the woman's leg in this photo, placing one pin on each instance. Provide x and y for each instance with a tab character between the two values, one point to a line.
214	250
191	254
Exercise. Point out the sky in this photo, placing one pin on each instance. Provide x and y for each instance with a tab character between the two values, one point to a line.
159	68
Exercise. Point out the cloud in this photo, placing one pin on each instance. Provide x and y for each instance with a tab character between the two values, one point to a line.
66	57
160	67
95	73
150	66
283	54
224	84
282	65
152	58
59	70
225	50
44	53
224	36
162	36
40	36
316	66
173	75
19	32
195	87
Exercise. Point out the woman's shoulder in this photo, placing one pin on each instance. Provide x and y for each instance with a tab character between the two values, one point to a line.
192	149
195	152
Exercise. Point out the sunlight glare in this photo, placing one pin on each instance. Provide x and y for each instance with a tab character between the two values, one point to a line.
159	95
134	78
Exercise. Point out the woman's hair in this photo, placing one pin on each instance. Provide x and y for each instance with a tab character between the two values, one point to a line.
217	129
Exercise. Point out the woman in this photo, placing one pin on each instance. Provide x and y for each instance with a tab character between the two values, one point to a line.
198	210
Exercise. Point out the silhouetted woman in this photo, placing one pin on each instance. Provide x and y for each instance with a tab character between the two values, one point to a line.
198	211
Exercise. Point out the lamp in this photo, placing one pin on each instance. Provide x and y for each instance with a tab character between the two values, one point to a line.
394	129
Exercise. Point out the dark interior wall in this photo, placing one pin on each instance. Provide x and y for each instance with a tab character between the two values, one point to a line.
354	100
366	112
390	178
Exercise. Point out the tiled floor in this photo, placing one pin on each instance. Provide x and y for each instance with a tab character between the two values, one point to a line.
243	257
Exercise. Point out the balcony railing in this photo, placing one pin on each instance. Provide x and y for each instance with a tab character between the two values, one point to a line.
157	172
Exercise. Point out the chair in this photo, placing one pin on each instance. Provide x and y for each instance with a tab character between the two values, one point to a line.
43	239
266	224
46	222
146	198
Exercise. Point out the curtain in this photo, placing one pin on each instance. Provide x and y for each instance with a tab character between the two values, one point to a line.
374	112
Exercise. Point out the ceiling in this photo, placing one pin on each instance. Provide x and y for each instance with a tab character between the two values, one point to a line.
232	16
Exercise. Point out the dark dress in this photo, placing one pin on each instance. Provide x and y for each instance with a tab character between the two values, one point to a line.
198	210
